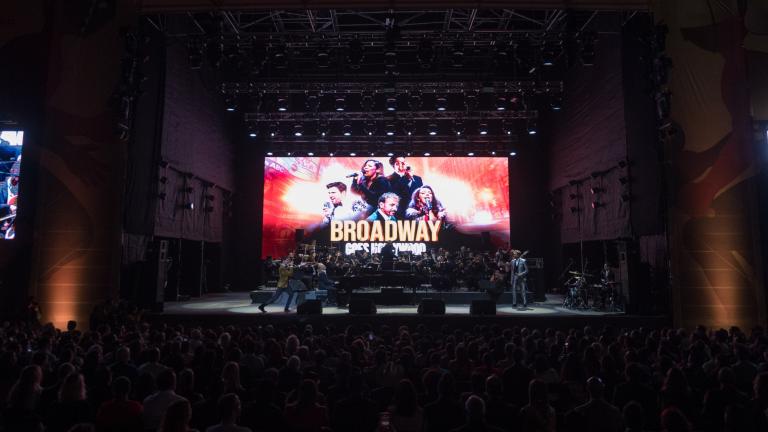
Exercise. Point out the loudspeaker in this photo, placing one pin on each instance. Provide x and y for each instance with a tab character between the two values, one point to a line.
299	235
430	306
362	307
310	307
161	277
482	307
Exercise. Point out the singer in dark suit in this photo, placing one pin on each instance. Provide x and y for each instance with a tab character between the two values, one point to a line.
424	205
402	182
519	270
372	184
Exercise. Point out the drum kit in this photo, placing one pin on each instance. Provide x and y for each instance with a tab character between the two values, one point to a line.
602	296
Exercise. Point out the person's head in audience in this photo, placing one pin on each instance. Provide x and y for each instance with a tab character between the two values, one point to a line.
494	387
121	388
446	388
634	417
673	420
27	389
405	401
229	408
760	386
73	388
537	393
307	393
177	416
123	354
595	388
166	380
475	409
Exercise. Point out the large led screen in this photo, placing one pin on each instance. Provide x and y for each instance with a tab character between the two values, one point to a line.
11	142
354	203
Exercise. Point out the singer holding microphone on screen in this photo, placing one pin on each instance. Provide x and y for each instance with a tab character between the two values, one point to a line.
372	184
425	206
402	182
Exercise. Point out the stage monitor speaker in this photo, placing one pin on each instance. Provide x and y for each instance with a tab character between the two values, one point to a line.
362	307
299	236
310	307
429	306
482	307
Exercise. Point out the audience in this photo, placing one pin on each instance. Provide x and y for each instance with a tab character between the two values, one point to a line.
122	376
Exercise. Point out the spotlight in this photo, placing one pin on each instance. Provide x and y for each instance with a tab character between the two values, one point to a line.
470	102
551	50
269	153
369	128
310	154
253	130
390	154
274	129
425	54
230	103
298	130
282	104
353	154
409	127
427	154
441	103
391	103
346	130
531	127
458	128
340	103
501	103
313	102
507	127
367	101
279	58
323	58
470	154
389	129
355	53
323	128
513	153
483	129
432	129
414	101
457	55
556	102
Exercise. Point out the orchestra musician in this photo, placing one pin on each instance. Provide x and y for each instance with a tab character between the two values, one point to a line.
325	283
519	271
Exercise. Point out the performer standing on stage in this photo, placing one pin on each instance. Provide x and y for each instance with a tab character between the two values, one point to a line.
519	271
284	275
402	182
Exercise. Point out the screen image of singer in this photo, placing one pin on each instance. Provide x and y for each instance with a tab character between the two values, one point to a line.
11	142
421	201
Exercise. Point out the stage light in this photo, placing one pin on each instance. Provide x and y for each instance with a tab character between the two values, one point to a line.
310	154
353	154
298	130
414	101
330	154
289	153
493	153
457	56
282	104
390	154
389	129
470	102
253	130
340	103
427	154
409	127
441	103
323	57
323	128
483	129
274	129
501	103
355	53
313	102
346	130
556	102
391	103
470	154
367	101
531	127
279	58
252	134
230	103
269	153
425	54
513	153
458	128
369	128
507	127
432	129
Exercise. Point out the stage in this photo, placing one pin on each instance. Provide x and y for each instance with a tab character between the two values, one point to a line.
240	308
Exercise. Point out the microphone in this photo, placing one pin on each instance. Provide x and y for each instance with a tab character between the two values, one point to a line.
353	175
428	202
408	168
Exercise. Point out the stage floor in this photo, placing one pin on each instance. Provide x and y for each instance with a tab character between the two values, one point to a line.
240	303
